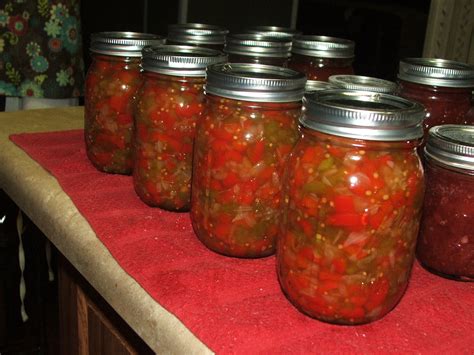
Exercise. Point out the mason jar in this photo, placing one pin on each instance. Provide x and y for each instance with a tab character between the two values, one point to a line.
352	205
197	34
242	143
363	83
169	102
444	87
446	241
319	57
258	48
110	86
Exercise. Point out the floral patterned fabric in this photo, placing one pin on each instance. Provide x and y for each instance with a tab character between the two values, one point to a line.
41	49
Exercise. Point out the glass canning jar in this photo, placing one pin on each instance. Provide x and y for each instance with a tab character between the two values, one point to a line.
446	241
258	48
319	57
443	86
111	82
169	102
242	142
197	34
364	83
353	196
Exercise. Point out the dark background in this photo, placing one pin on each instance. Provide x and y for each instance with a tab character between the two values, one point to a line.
384	31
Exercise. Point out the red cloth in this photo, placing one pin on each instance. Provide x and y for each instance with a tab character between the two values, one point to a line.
236	305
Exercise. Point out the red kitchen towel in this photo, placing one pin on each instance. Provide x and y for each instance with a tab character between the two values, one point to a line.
236	305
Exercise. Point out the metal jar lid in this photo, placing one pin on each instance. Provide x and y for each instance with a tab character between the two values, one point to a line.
180	60
197	33
255	82
452	145
123	44
437	72
274	31
363	115
317	85
323	46
364	83
260	45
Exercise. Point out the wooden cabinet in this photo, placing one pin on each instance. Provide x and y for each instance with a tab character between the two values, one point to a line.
87	324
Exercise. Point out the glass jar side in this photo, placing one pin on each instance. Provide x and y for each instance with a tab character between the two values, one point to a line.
351	218
167	109
444	105
278	61
110	87
239	154
318	68
446	241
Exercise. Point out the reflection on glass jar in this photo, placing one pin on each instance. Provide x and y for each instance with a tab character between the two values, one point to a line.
258	49
168	105
446	242
443	86
197	34
353	196
111	83
319	57
242	142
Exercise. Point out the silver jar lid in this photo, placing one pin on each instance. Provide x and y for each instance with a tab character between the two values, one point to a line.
317	85
197	33
364	83
180	60
123	44
274	31
437	72
323	46
452	145
363	115
255	82
260	45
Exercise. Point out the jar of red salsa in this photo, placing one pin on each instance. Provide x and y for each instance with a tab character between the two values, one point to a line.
111	82
443	86
446	241
242	142
319	57
353	197
258	48
197	34
168	105
364	83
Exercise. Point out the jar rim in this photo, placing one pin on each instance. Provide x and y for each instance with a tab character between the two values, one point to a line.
255	82
437	72
451	145
317	85
197	33
323	46
180	60
364	83
257	44
274	31
363	115
123	44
